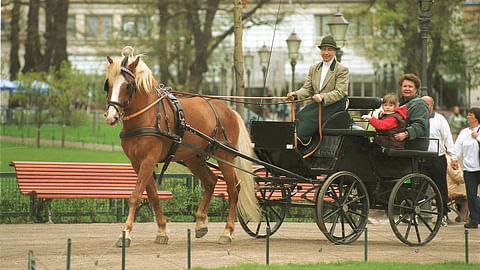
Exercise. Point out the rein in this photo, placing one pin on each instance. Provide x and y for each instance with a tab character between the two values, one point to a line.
128	117
234	98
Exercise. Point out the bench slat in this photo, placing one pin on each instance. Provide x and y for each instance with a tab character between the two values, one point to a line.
78	180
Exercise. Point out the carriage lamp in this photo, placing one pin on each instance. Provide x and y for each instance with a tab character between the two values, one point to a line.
338	27
425	8
293	45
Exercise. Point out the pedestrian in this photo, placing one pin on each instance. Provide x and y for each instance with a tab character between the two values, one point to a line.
467	146
327	84
389	122
441	141
456	122
417	131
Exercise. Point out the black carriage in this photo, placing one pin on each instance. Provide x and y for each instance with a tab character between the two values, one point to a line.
348	174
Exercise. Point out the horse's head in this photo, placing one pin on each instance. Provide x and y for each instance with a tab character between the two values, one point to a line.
120	86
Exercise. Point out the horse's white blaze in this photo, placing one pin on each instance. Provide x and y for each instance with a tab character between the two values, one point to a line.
112	113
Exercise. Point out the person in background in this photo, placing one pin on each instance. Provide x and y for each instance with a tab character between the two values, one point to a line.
467	146
441	141
389	122
417	130
456	122
327	84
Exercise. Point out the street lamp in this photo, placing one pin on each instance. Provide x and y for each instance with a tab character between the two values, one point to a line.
425	8
469	70
248	62
293	44
264	54
338	27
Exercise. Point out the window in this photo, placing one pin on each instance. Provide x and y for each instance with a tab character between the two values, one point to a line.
321	25
98	27
136	26
357	89
71	27
368	89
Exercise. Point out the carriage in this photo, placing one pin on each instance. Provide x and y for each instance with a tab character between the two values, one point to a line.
341	179
345	177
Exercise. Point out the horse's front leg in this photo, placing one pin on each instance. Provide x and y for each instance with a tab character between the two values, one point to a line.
162	237
145	174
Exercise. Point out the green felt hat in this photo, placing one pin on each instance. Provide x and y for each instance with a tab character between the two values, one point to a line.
328	41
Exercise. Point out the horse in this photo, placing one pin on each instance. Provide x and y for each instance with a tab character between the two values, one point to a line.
148	115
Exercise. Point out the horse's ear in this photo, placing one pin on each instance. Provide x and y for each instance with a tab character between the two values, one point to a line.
110	60
134	64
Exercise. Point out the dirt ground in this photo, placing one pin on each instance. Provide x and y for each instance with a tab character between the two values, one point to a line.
93	246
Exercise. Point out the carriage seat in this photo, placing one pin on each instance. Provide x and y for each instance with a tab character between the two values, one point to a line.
408	153
341	123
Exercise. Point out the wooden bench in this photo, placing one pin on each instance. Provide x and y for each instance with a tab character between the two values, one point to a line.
220	190
73	180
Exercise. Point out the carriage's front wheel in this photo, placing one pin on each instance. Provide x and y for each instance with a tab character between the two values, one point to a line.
415	209
274	202
342	207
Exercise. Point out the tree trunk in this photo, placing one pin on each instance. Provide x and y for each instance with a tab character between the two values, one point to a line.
61	18
163	41
64	124
33	54
50	9
15	41
238	54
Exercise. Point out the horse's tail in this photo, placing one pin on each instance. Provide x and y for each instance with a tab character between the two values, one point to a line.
247	205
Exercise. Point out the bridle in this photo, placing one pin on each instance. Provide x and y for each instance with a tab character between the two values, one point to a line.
131	87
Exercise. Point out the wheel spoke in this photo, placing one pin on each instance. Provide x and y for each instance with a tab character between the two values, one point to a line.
330	214
334	225
418	233
409	227
350	222
426	223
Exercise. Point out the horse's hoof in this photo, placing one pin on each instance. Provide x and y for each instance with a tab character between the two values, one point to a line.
161	239
120	242
199	233
225	239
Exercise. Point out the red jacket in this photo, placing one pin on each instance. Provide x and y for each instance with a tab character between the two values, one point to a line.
388	125
387	121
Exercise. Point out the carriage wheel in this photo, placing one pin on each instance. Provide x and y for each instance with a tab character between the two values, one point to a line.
415	209
342	207
274	203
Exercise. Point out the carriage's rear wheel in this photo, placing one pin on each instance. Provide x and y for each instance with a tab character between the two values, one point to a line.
415	209
274	202
342	207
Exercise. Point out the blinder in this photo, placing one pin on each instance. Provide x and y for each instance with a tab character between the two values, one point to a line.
131	87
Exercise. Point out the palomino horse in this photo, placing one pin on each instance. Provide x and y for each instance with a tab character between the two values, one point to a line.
133	95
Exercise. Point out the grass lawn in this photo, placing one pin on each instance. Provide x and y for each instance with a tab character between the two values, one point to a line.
27	152
354	265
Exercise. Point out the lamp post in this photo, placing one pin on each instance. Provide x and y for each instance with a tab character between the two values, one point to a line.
248	62
293	44
264	54
338	27
425	8
469	70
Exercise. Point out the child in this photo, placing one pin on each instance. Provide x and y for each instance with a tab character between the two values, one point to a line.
390	122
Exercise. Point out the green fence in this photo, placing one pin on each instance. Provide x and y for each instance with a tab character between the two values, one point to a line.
187	193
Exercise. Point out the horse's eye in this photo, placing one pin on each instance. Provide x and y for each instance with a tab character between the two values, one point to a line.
105	86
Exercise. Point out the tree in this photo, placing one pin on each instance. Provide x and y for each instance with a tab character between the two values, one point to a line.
15	41
396	36
55	51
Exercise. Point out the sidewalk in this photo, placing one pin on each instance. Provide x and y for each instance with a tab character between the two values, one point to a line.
46	142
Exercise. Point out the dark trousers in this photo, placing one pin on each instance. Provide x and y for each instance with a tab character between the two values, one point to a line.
437	170
307	118
472	180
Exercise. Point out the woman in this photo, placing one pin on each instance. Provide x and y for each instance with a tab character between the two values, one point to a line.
417	130
467	146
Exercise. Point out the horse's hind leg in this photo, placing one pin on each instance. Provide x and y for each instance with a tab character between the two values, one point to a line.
162	237
232	188
199	168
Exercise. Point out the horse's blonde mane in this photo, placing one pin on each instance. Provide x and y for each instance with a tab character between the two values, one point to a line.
143	75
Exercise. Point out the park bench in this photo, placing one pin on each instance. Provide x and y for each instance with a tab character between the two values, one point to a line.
302	194
74	180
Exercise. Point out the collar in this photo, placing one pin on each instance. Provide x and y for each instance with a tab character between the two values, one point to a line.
330	64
